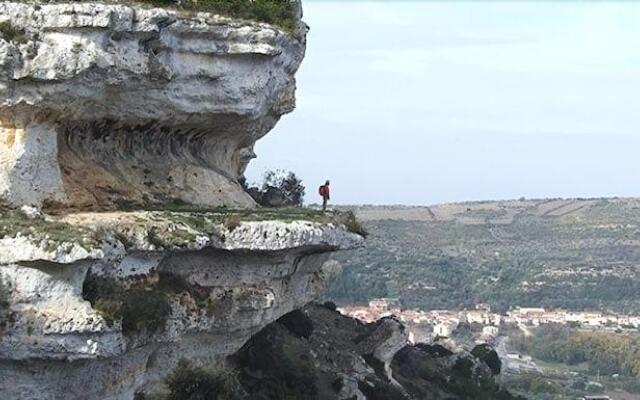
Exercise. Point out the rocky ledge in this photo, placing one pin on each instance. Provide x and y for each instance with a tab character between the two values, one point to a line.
105	105
101	305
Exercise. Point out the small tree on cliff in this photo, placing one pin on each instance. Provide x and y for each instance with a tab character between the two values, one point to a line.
287	184
279	189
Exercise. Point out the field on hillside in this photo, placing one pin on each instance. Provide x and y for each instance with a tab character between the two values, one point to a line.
574	254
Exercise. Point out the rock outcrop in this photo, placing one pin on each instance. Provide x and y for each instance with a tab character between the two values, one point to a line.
100	306
336	357
105	105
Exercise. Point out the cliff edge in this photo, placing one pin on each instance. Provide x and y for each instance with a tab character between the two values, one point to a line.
107	107
104	105
104	305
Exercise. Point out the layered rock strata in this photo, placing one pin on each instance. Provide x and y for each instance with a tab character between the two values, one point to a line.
105	105
219	282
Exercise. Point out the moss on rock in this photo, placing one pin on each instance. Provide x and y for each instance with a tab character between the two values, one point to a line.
138	308
49	232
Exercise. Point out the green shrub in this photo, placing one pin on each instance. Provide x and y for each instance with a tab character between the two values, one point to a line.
144	310
279	189
106	297
188	382
138	309
126	241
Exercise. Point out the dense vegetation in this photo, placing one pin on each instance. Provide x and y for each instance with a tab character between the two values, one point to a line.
587	259
576	362
605	353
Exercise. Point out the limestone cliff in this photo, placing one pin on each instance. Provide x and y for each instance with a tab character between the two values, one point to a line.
105	105
100	306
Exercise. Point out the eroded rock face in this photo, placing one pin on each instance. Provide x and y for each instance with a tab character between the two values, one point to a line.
318	354
222	286
108	105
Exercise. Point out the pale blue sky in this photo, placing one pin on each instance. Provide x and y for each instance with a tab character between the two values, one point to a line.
428	102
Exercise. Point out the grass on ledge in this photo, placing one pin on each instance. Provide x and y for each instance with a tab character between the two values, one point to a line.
231	218
275	12
54	231
280	13
14	223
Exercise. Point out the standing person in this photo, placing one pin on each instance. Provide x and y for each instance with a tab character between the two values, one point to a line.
325	192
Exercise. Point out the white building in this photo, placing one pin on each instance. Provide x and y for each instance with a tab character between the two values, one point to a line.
490	331
443	330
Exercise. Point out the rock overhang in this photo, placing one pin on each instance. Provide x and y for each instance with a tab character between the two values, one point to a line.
75	237
108	107
106	104
222	278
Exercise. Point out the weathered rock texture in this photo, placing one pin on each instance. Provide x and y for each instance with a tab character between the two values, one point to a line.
103	105
318	354
108	107
223	284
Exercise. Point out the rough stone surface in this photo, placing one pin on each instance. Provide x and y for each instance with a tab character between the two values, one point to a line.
103	105
57	346
108	236
340	358
111	107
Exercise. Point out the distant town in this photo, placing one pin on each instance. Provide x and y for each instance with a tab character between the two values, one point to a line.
426	326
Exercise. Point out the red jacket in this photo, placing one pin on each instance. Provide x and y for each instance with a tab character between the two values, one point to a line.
324	191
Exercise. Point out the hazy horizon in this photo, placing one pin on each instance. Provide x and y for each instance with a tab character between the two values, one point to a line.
417	103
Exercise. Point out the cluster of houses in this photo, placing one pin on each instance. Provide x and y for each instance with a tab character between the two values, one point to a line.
425	326
595	319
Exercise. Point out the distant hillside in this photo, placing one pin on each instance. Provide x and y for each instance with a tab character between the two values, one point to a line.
581	253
